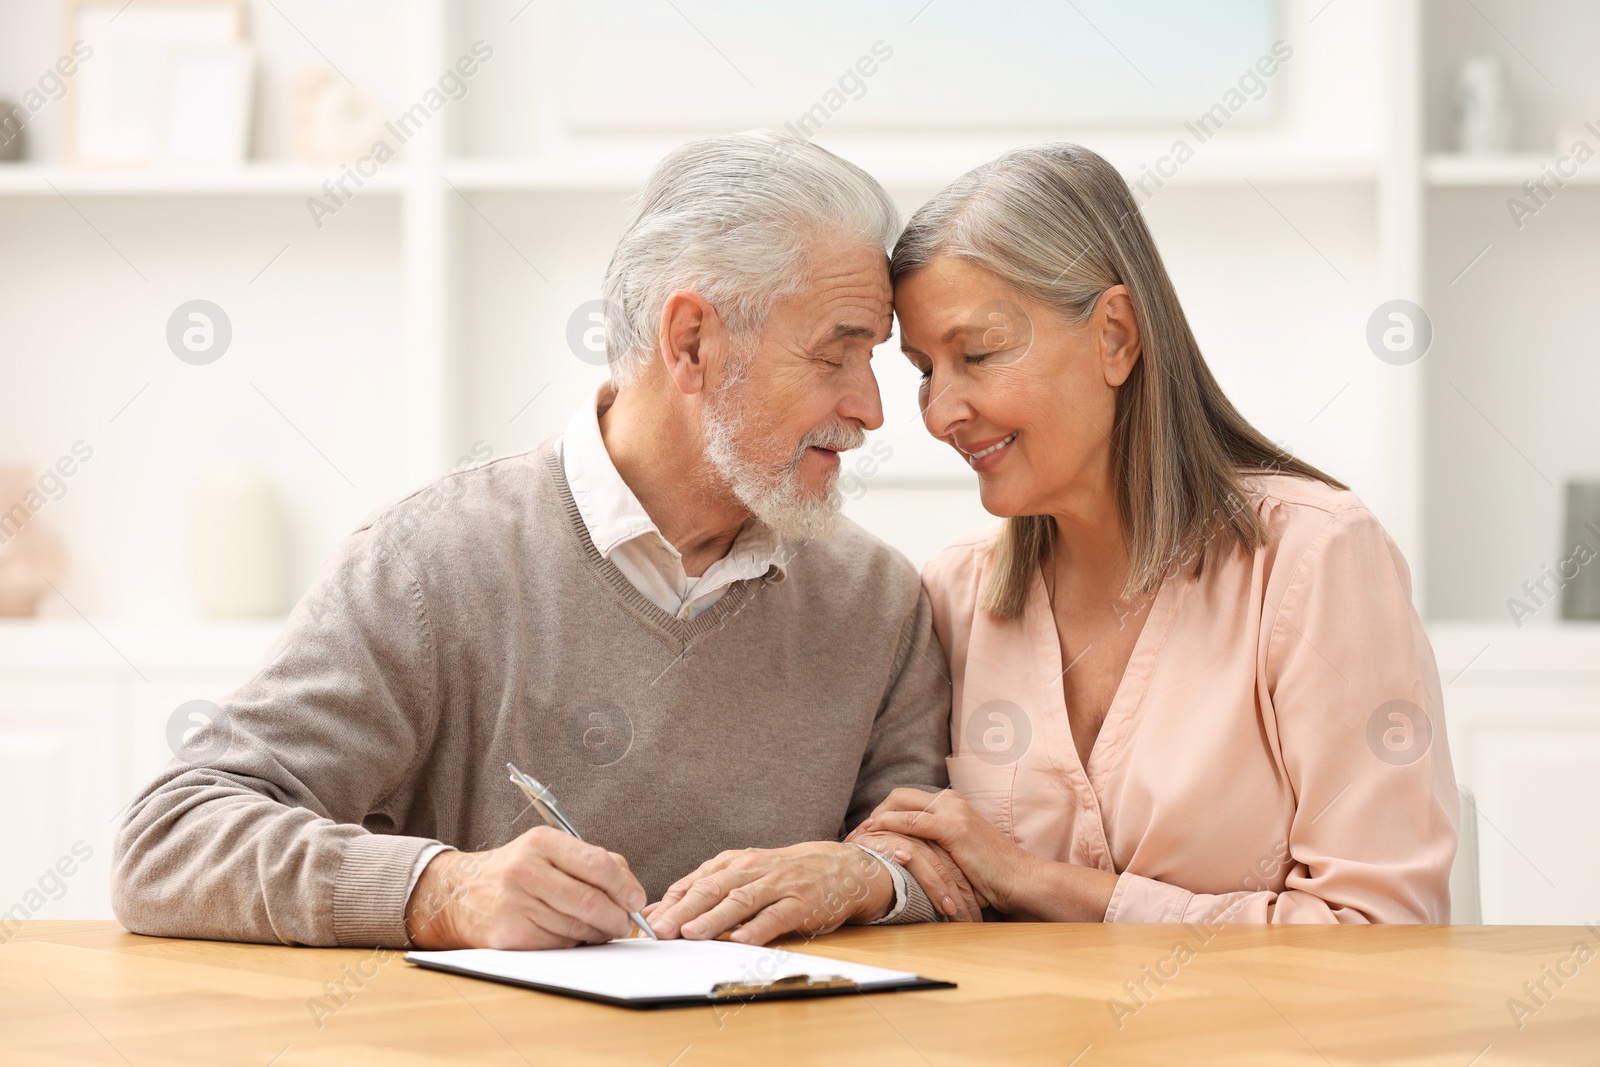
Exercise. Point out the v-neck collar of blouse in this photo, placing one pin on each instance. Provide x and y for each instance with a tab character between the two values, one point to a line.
1131	687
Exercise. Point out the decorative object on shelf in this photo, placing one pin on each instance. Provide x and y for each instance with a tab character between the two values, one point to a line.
30	556
1580	551
13	138
240	547
1217	62
172	82
334	122
1483	106
206	119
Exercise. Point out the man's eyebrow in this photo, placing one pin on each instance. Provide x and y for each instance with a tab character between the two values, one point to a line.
850	331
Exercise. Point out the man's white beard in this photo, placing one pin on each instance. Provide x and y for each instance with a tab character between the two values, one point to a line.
775	495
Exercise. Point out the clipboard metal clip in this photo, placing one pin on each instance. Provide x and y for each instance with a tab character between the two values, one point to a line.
794	983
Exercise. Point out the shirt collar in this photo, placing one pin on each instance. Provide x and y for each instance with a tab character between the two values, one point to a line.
612	513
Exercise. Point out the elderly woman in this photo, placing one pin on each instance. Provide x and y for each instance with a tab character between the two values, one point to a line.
1190	684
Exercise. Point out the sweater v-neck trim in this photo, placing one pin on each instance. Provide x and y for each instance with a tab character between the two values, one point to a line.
641	606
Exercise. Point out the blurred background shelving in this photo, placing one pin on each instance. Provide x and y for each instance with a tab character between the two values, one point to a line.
1512	169
253	180
426	322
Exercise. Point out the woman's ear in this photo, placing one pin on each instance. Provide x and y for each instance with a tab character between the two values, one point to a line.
1120	340
689	329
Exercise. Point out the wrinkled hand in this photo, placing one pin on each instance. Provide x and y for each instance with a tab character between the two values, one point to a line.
814	888
994	865
545	889
932	867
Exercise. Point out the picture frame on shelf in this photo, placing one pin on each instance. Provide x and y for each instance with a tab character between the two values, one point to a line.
170	82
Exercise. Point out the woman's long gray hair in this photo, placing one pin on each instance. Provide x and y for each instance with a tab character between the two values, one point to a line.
1058	225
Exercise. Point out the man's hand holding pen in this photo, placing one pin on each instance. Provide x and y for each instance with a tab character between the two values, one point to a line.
544	889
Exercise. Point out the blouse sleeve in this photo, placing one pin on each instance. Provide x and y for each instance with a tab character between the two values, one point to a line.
1351	701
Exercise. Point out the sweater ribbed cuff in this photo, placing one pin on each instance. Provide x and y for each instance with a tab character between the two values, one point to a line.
897	874
911	900
918	909
371	888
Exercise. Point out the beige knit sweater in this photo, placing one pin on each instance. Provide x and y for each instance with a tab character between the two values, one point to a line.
472	624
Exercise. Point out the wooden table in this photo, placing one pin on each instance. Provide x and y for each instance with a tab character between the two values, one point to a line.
88	992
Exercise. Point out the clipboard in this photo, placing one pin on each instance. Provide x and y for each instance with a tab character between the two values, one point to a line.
641	974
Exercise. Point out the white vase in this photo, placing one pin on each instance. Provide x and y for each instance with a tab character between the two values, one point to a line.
240	551
1483	106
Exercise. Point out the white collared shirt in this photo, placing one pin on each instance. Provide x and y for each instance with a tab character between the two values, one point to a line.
626	535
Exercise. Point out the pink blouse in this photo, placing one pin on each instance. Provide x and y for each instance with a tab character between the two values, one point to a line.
1274	753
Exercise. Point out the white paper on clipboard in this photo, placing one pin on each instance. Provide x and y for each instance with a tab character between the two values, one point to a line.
642	969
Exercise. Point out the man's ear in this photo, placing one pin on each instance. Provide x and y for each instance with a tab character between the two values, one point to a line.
1121	343
689	334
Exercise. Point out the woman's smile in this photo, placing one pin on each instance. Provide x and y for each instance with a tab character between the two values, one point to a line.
986	454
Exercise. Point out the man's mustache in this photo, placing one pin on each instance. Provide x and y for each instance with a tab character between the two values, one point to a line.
839	436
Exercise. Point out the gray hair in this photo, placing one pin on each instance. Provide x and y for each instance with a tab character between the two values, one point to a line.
732	218
1058	225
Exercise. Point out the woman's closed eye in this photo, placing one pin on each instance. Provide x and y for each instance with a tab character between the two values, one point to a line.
973	359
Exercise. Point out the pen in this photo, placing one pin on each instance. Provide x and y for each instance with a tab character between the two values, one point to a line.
544	802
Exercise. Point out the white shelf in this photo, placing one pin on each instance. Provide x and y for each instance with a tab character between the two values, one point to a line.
254	179
920	161
1454	170
914	169
519	175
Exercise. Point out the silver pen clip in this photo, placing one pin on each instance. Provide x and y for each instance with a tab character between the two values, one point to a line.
543	801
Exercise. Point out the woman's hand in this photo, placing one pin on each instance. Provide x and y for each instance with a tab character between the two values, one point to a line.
932	867
1016	882
993	864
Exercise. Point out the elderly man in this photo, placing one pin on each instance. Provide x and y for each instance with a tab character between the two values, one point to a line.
653	614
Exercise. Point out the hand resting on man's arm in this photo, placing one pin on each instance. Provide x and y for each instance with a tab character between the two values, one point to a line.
940	876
